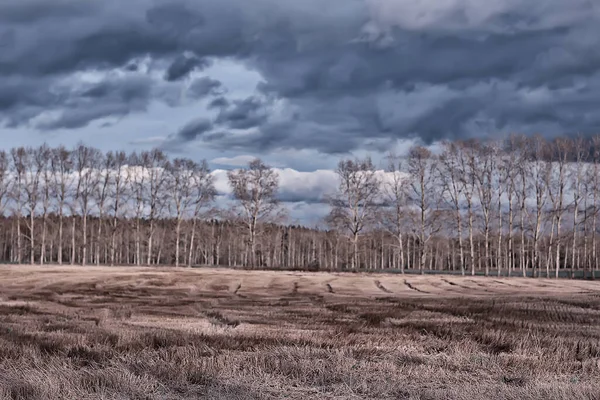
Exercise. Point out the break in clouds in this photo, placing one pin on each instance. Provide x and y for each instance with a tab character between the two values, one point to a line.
334	77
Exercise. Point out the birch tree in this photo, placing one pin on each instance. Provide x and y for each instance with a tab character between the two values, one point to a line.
424	197
485	194
540	170
42	160
5	185
255	191
453	187
86	162
18	171
31	178
155	163
138	191
578	156
353	207
61	167
558	153
468	171
190	188
203	192
104	178
119	196
395	196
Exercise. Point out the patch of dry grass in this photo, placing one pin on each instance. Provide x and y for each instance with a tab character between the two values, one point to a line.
135	333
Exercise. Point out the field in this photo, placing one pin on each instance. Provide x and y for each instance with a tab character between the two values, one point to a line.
135	333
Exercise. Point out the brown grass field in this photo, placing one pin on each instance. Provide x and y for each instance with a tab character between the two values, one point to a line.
141	333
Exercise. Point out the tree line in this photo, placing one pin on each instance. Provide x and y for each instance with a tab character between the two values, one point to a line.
523	205
517	206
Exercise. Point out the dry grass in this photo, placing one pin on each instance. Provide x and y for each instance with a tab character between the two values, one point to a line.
127	333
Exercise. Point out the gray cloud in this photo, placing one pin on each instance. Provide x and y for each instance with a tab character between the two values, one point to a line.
194	129
219	102
205	86
111	97
340	76
244	114
183	65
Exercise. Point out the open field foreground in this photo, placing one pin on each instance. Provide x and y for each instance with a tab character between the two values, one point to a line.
131	333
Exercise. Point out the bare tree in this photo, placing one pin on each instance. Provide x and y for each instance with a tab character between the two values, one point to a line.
595	183
523	192
86	162
42	160
467	153
485	185
104	178
255	189
138	175
18	171
498	179
155	163
578	157
31	178
190	188
19	161
353	207
589	212
558	152
121	179
395	195
61	167
203	191
510	168
4	181
540	170
423	195
453	188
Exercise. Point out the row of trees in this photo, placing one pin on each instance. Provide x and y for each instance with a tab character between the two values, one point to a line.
512	206
48	192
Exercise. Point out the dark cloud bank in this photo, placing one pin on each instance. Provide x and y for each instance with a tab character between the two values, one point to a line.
338	75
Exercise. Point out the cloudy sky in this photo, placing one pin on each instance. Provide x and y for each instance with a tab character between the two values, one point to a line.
298	83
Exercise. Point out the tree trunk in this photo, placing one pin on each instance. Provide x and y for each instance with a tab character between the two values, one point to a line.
32	238
60	238
461	251
150	244
138	254
192	235
84	232
177	240
43	247
73	240
471	241
557	260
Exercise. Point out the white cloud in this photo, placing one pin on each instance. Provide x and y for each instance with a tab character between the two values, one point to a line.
293	185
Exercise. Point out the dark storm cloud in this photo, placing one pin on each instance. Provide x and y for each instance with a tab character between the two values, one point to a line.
125	89
244	114
344	74
113	97
194	130
183	65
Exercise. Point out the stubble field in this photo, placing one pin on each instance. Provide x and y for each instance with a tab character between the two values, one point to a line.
140	333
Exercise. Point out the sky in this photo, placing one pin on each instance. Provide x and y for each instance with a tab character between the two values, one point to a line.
300	84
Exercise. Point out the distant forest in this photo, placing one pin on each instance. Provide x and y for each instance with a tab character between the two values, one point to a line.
515	206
